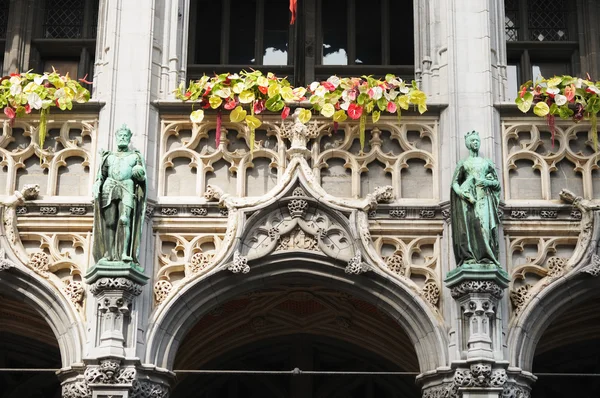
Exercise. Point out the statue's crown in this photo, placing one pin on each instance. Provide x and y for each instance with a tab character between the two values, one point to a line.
124	128
471	133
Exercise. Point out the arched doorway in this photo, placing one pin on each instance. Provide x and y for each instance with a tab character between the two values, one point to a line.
297	326
571	344
27	341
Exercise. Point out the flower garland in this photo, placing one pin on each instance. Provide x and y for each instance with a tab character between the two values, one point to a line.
558	96
20	93
336	98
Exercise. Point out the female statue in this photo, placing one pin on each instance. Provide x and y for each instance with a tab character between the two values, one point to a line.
474	199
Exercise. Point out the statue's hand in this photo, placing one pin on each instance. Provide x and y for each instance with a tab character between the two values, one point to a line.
138	173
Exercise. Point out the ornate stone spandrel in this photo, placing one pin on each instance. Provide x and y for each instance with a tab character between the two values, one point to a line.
474	201
119	211
537	167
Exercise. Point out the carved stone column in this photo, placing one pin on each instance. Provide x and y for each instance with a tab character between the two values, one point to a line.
113	298
481	370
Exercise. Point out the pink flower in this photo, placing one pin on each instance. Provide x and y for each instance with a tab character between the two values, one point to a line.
9	112
391	107
285	113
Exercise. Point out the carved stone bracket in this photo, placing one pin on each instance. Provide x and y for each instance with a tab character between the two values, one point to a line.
111	378
114	302
239	264
4	262
356	265
467	287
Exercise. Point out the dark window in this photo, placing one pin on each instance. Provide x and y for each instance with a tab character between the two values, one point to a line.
541	40
230	35
343	37
4	6
65	37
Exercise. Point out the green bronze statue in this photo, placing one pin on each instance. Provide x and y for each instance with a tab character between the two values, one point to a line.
474	200
119	204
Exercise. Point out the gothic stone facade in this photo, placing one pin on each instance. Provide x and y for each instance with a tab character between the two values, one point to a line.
358	242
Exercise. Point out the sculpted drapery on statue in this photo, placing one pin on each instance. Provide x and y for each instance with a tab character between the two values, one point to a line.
474	199
119	204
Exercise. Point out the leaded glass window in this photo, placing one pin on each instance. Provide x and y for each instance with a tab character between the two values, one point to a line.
64	19
548	20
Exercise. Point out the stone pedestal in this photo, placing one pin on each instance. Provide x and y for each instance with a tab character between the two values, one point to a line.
477	290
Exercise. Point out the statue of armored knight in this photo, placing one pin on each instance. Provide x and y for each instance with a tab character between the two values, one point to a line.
119	204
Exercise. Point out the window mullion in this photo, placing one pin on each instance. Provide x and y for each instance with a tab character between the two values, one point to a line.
309	51
524	15
225	24
259	30
385	32
351	31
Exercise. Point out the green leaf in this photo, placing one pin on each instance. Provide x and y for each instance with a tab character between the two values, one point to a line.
304	115
273	89
382	103
370	106
553	82
541	109
524	103
253	122
246	97
215	101
362	98
238	114
340	116
197	116
328	110
376	115
564	112
275	104
287	93
403	101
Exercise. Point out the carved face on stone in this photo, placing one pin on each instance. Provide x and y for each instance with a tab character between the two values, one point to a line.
123	137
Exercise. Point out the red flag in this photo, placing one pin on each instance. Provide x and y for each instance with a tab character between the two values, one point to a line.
293	8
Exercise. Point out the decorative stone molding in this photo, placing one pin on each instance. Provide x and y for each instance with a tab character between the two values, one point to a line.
122	284
239	264
519	214
109	371
148	389
427	214
199	262
4	262
447	215
396	263
40	263
76	389
576	214
512	390
199	211
77	210
356	265
21	210
297	207
594	267
48	210
149	211
519	296
162	289
397	213
548	213
431	293
474	286
74	291
169	211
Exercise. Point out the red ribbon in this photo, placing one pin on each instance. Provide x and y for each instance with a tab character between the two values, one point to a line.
293	9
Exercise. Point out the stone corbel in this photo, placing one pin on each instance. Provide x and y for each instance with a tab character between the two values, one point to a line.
114	298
